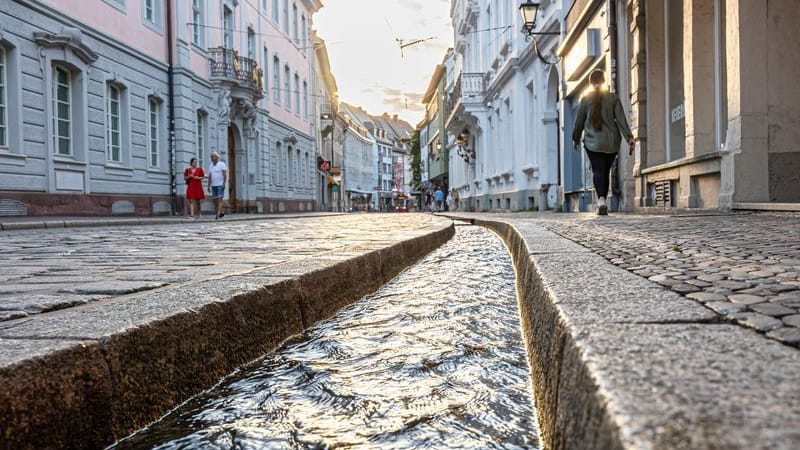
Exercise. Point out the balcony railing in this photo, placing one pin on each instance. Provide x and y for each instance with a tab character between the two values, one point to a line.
226	64
470	89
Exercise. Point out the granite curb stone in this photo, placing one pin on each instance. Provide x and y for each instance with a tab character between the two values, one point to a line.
615	367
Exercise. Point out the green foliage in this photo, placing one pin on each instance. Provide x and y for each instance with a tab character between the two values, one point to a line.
416	171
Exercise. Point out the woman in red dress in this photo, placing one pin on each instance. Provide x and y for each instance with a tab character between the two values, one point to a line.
194	187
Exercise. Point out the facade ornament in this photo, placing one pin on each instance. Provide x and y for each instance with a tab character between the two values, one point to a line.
224	110
68	38
249	114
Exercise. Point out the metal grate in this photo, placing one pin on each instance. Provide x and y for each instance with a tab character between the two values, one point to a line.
663	193
10	207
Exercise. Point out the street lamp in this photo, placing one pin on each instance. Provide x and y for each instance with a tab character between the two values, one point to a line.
529	10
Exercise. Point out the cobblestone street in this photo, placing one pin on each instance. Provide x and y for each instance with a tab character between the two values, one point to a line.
45	270
743	266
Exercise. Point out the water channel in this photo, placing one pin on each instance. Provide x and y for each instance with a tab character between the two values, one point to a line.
434	359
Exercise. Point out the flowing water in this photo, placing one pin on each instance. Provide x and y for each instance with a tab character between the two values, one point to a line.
434	359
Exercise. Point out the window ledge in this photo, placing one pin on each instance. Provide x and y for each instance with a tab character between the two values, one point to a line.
61	159
12	159
682	162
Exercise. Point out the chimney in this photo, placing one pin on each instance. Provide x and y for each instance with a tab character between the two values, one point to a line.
394	117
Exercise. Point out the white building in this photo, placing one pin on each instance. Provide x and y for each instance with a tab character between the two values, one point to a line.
502	109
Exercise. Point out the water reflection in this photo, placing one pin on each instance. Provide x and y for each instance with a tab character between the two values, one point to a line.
432	360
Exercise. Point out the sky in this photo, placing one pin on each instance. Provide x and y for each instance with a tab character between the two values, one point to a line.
365	56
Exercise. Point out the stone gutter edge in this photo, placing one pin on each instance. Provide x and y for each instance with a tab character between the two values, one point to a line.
93	393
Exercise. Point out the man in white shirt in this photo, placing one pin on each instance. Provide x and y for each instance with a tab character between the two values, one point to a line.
217	176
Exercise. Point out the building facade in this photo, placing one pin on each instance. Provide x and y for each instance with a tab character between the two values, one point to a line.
106	101
329	129
714	102
360	174
502	108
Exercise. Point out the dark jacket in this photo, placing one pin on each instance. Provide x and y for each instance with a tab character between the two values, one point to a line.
608	138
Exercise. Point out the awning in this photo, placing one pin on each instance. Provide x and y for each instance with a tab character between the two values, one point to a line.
358	191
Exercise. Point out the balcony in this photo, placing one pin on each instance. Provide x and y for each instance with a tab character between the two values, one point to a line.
468	93
465	15
227	65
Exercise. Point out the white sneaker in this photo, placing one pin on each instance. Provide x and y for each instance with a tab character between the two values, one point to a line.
602	208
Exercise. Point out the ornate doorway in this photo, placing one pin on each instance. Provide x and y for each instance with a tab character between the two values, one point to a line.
231	161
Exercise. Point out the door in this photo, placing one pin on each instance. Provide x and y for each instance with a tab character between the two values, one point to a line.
232	170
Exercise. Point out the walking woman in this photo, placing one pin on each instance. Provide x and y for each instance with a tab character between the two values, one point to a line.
194	187
602	123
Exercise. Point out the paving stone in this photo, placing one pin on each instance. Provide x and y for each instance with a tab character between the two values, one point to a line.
779	288
706	297
733	285
757	321
684	288
746	299
787	335
725	308
792	320
772	309
698	283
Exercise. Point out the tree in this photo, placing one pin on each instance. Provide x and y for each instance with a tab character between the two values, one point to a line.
416	178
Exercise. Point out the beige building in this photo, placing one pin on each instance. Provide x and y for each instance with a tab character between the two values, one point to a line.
714	97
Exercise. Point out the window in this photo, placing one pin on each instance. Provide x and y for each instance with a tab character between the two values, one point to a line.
294	22
276	78
251	43
151	14
265	72
289	172
287	87
286	17
150	10
113	133
3	99
62	119
119	4
201	137
675	113
305	100
153	131
296	95
721	76
297	176
198	22
275	11
278	153
227	28
305	33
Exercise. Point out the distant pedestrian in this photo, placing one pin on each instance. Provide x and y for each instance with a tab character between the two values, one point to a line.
602	122
439	195
194	187
217	176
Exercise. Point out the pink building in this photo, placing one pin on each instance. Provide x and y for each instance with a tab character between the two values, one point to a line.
104	102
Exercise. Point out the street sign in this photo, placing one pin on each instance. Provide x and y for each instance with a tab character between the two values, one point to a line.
325	165
335	188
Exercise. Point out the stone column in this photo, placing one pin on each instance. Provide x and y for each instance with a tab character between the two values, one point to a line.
698	86
746	34
638	86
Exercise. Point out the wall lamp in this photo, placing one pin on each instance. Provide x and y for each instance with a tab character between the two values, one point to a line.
529	10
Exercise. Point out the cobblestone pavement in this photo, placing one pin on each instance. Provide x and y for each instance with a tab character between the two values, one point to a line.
48	269
743	266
